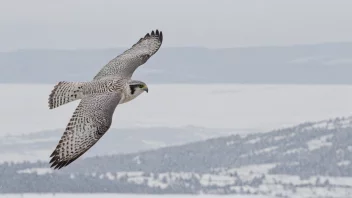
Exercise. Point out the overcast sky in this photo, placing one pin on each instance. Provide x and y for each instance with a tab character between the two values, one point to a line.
78	24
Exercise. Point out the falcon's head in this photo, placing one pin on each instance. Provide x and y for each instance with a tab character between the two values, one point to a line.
137	87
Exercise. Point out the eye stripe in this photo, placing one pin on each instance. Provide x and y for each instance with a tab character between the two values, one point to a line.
133	88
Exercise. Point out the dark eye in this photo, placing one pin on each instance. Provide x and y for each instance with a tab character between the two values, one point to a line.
141	86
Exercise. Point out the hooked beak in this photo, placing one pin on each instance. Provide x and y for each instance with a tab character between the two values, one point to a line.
146	89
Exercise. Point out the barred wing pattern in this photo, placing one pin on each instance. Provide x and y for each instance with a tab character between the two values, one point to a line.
126	63
91	119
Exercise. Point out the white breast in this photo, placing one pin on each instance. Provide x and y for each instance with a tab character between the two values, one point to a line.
126	96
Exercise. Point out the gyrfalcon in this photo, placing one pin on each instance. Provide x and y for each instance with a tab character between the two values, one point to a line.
111	86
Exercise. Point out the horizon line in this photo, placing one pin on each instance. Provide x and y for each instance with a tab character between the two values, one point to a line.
173	47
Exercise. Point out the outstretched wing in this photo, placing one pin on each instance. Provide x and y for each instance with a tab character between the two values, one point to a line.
127	62
91	119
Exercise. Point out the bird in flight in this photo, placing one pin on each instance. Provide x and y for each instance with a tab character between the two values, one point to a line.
111	86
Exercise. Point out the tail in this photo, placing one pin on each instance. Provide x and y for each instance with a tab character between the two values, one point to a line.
65	92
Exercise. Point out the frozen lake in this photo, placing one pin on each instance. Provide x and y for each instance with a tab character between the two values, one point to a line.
256	108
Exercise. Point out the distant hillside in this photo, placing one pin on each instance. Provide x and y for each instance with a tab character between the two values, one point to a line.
311	158
322	63
305	150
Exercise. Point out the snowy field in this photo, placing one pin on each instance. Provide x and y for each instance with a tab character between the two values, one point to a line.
125	196
247	108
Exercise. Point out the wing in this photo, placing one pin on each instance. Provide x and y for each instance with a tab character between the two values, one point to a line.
91	119
127	62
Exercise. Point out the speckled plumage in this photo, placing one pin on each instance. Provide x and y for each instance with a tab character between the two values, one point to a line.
126	63
99	98
65	92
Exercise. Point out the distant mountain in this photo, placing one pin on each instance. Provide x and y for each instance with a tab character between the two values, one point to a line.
311	159
321	63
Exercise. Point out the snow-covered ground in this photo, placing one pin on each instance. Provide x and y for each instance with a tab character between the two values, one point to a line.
126	196
289	186
248	108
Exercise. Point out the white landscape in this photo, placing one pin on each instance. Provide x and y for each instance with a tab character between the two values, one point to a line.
243	108
246	99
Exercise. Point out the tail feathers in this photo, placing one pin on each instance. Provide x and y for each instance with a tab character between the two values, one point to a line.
65	92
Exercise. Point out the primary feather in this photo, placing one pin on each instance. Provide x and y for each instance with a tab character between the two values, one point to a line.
126	63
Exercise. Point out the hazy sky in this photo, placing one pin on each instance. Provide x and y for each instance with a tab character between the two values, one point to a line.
77	24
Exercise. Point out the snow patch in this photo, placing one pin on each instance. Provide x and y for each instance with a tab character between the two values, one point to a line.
344	163
39	171
277	138
320	142
297	150
269	149
253	141
137	160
